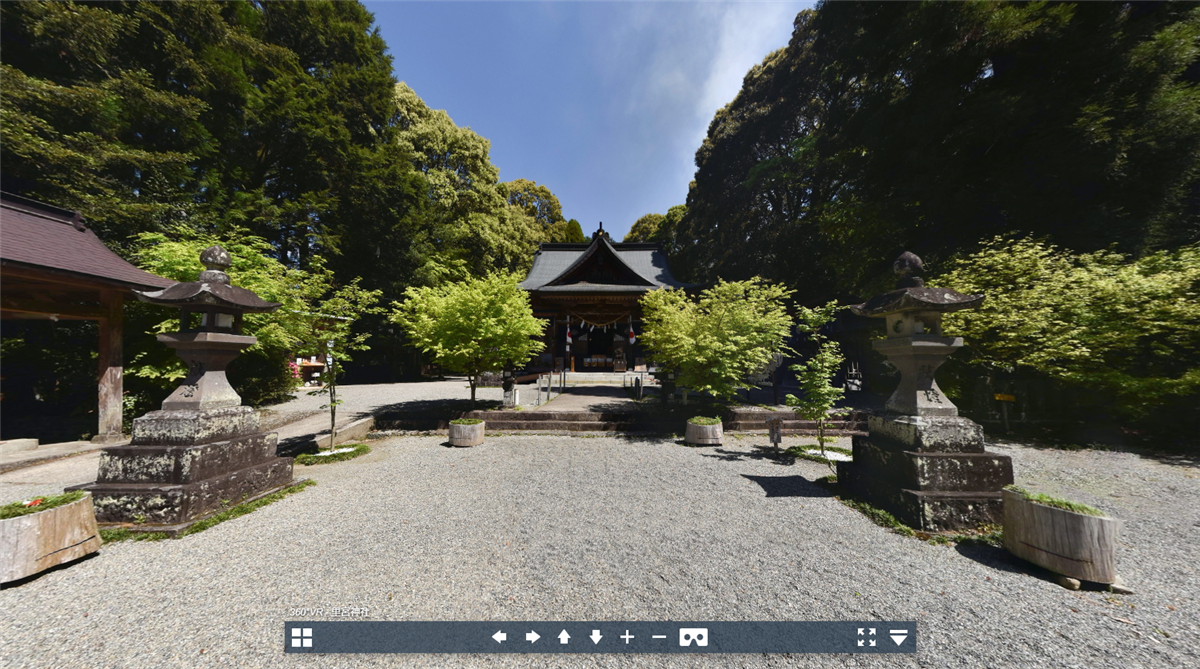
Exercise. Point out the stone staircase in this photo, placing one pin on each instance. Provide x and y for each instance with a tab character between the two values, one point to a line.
642	421
749	420
575	421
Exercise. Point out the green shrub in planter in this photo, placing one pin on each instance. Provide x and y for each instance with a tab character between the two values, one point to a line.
44	503
704	431
466	432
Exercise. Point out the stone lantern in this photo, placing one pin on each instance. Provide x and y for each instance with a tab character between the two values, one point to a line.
209	343
914	343
203	451
922	461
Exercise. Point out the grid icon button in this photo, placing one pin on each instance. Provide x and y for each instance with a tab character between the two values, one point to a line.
302	637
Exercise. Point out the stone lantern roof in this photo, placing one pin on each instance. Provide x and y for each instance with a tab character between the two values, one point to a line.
911	294
211	290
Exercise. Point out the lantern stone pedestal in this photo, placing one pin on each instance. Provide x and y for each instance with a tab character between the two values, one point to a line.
921	461
203	452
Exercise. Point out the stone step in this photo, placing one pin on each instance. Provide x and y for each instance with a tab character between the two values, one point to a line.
184	464
901	468
173	504
847	426
584	426
947	510
931	510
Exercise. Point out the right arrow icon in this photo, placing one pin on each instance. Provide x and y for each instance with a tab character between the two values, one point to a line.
596	636
899	636
532	636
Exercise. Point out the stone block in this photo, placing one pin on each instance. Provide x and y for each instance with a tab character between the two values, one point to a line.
184	464
151	504
938	511
946	434
187	428
956	472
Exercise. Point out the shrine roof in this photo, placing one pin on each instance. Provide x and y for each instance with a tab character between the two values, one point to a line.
553	261
39	236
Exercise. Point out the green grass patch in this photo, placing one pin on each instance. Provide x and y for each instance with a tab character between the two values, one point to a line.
704	420
43	503
246	507
121	534
989	535
317	459
1055	502
466	421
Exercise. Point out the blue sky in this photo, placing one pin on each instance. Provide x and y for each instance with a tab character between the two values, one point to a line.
603	102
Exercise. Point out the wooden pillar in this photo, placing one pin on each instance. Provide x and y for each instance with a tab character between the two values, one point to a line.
112	368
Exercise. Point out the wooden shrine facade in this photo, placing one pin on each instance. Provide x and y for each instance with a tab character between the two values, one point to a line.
590	294
53	267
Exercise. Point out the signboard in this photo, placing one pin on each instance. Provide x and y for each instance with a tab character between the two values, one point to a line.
1005	398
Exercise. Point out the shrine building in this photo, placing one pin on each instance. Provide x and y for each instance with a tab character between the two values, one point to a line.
590	295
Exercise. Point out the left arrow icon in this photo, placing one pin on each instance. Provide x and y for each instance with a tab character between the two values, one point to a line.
500	637
531	636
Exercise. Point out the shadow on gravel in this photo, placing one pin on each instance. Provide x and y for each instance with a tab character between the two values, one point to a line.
788	486
58	567
1001	560
771	453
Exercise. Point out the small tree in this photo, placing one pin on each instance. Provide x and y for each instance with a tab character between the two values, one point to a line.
820	396
714	344
473	326
331	333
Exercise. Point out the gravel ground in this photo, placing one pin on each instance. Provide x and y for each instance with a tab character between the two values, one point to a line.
561	528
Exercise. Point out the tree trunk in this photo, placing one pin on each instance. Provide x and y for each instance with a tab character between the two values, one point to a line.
332	414
473	380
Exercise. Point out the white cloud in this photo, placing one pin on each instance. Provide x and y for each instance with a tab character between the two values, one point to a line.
673	65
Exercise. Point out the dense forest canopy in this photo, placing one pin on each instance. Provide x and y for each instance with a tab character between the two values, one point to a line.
880	127
932	127
280	118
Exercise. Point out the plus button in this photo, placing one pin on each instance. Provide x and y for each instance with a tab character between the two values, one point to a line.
626	636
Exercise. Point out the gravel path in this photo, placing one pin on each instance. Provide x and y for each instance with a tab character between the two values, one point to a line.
561	528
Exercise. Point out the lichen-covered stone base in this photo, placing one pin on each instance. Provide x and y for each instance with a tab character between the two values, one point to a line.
932	473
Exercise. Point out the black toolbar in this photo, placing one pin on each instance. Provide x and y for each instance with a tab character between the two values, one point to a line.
600	637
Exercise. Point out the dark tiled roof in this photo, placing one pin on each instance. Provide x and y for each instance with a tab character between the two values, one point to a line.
36	235
646	260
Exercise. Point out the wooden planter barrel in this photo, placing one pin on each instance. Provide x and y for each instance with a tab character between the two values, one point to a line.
1065	542
704	435
466	435
34	543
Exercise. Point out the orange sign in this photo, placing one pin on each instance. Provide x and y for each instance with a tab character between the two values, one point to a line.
1005	398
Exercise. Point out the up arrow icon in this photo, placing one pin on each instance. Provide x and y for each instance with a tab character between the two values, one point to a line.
899	636
563	636
596	636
